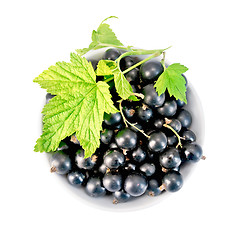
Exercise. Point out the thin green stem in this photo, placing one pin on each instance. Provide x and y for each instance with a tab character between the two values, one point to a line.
109	79
163	61
179	137
139	63
114	46
155	53
128	123
120	108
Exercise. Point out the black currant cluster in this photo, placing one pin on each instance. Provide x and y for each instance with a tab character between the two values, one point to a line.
142	147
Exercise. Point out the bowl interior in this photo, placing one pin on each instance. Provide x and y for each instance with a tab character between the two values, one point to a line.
194	107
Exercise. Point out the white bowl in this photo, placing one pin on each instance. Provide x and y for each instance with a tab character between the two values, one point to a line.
194	107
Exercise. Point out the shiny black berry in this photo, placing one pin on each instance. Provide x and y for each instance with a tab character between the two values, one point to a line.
106	136
172	181
185	118
135	185
113	119
113	159
144	113
126	139
168	109
94	187
85	163
76	178
150	71
112	182
148	169
170	159
60	163
157	142
112	54
189	136
192	152
139	155
151	97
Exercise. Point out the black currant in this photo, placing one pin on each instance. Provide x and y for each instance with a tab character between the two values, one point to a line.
133	76
126	139
112	182
168	109
106	136
153	188
185	118
176	125
113	159
112	54
158	123
85	163
172	140
76	178
148	169
60	163
180	103
127	62
144	113
112	119
121	196
151	97
172	181
94	187
170	159
189	136
128	112
49	96
157	142
139	155
150	71
192	152
135	185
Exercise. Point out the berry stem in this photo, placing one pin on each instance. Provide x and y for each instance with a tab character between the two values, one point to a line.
128	48
120	108
167	121
53	169
163	61
127	122
155	53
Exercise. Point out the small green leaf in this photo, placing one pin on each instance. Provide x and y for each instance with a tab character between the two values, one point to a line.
103	69
133	98
102	37
172	80
105	35
123	87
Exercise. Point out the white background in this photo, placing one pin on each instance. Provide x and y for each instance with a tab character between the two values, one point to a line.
205	37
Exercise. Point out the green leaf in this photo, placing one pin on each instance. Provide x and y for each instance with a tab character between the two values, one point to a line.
133	98
172	80
103	37
68	79
122	86
78	107
103	69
